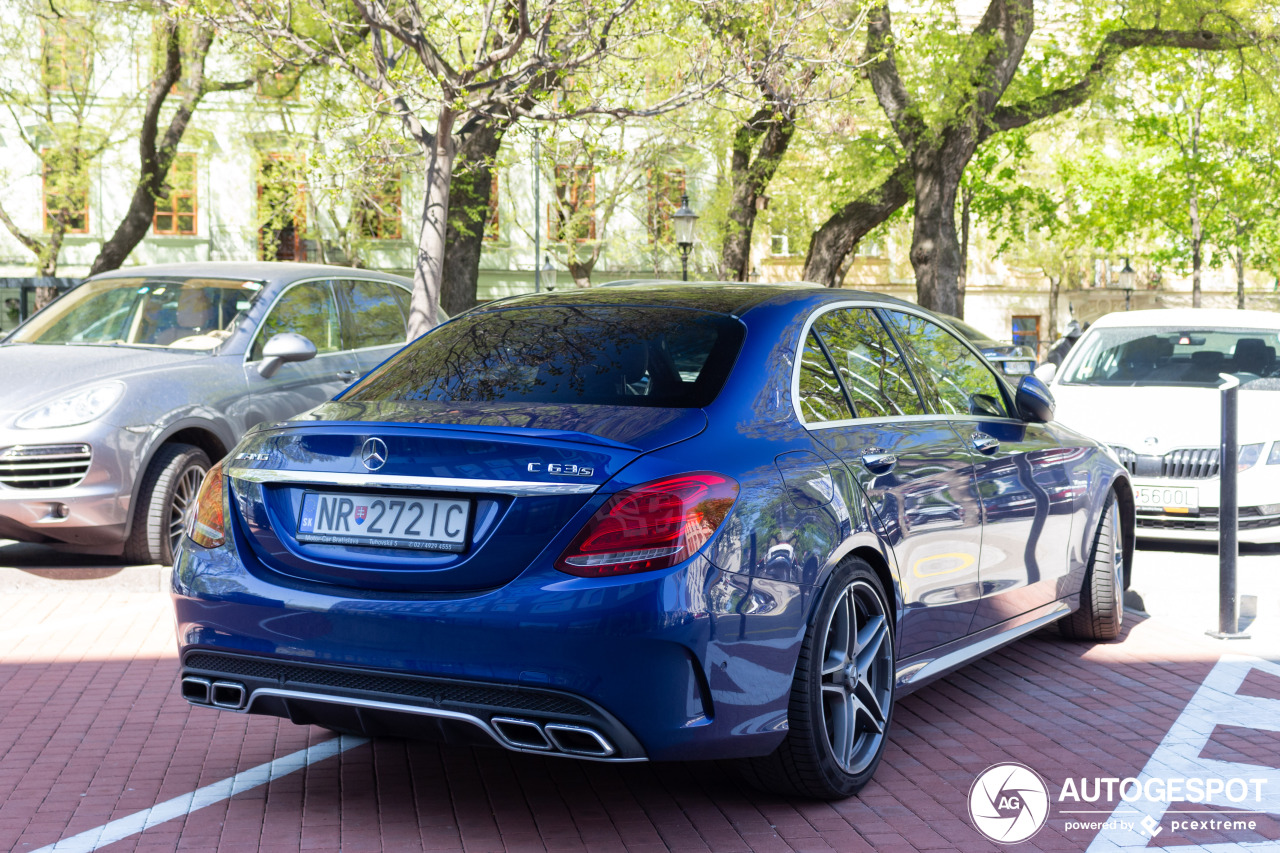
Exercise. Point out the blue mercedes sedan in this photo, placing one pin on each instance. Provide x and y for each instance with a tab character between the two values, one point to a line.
651	522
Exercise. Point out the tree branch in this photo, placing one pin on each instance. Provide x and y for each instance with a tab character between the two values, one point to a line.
1113	47
886	82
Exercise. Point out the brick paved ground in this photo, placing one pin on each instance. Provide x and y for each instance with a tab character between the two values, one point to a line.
92	729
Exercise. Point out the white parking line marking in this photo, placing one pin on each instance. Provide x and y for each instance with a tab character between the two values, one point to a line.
1215	703
183	805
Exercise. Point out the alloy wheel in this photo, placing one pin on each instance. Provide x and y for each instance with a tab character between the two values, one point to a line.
857	677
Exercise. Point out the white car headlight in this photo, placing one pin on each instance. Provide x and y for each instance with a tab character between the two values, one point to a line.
1248	456
77	408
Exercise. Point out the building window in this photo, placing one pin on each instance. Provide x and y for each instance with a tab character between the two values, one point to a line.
1026	331
282	208
65	60
779	245
665	190
573	216
491	224
379	212
177	209
66	191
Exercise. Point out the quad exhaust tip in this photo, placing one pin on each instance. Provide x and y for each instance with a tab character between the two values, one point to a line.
221	694
553	737
196	690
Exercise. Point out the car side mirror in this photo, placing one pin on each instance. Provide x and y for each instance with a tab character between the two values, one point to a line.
1035	403
286	346
1046	372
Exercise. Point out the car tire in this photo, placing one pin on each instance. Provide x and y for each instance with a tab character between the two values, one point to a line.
1101	612
841	701
168	489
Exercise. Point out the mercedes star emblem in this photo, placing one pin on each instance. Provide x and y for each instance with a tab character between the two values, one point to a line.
374	453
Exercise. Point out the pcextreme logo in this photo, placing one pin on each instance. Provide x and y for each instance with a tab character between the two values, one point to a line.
1009	803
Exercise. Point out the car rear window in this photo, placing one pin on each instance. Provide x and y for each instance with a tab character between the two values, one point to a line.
602	355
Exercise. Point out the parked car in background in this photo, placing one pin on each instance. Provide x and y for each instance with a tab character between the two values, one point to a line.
1147	383
119	395
1009	359
652	521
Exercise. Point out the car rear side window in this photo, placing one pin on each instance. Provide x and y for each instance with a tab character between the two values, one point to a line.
821	399
603	355
870	366
953	380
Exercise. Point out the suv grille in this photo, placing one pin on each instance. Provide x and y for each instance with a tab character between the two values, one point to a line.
47	466
1197	464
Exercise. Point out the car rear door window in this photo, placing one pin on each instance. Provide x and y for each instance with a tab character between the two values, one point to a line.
603	355
374	313
820	398
953	380
871	367
306	309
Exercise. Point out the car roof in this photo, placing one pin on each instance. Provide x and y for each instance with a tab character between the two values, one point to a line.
721	297
1190	317
271	272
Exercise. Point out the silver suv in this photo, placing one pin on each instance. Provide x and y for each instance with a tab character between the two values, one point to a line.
116	398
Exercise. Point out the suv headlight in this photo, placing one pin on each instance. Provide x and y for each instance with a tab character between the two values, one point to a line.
79	407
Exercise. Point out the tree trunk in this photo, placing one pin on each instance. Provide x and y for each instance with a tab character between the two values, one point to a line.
935	246
774	128
1055	288
469	213
962	280
1239	259
580	268
840	234
1197	247
429	269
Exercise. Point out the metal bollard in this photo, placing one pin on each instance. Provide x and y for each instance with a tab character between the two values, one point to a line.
1228	514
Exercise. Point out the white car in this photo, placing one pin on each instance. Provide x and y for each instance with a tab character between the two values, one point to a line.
1147	383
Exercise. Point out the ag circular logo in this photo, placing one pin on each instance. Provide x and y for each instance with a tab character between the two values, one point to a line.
1008	803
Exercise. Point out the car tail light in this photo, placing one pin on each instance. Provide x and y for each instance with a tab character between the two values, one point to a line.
207	526
651	526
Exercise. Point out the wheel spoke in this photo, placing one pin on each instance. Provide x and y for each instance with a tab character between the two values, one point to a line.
840	635
866	698
870	641
844	725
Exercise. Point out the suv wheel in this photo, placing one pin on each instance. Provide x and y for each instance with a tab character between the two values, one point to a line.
168	490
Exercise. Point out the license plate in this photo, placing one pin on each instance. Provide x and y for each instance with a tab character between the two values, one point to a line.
1185	499
1016	368
426	524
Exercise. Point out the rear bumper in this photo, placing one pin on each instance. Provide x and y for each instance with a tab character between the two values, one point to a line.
659	666
374	703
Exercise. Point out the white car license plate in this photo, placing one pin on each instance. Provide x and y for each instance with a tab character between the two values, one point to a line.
1172	498
343	518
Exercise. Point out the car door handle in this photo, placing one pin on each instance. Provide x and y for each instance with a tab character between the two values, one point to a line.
984	443
348	375
878	461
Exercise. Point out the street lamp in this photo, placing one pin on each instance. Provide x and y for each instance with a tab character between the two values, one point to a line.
548	273
1127	275
685	218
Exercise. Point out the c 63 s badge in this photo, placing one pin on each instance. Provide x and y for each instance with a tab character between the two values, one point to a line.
560	469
